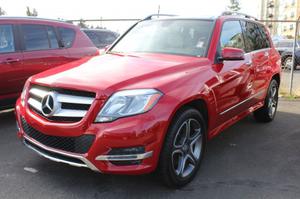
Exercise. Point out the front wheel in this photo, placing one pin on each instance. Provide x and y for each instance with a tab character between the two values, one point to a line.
183	148
268	111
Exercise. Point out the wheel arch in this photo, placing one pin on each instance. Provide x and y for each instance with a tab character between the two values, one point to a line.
276	77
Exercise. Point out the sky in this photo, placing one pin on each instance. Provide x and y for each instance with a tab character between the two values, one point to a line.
95	9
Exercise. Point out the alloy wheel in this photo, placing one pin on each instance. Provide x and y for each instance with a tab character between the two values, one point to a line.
273	100
187	148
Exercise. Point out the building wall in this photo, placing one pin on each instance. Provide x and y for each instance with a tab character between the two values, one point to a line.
289	10
270	11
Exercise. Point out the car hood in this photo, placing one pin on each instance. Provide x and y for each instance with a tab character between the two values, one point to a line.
107	73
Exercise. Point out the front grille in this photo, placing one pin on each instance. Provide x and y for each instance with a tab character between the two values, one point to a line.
71	105
80	144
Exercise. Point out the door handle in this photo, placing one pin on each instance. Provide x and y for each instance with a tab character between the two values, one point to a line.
10	60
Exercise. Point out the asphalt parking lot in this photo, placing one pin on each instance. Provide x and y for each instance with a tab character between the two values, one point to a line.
249	160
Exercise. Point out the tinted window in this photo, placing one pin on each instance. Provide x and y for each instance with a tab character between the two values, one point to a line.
231	35
265	38
7	44
253	37
52	37
35	37
169	36
101	38
67	35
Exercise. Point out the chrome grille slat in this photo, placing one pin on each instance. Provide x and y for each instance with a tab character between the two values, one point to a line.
38	92
70	113
35	104
74	99
73	105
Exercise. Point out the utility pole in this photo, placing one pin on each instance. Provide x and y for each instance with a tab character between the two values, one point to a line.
158	10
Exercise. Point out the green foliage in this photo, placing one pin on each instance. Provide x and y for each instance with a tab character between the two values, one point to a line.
234	5
2	12
82	24
32	13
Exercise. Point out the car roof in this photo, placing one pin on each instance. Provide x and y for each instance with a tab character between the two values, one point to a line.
224	16
35	19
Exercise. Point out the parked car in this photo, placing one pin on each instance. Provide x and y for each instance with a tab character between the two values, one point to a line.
31	45
285	45
101	37
153	100
285	49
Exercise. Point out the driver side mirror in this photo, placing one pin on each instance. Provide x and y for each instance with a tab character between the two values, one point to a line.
232	54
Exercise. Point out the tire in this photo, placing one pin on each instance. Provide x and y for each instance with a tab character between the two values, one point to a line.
268	111
287	63
182	148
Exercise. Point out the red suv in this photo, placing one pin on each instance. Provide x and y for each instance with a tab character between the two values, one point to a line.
30	45
153	100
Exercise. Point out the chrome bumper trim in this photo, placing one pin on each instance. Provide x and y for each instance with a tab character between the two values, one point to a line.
86	164
125	157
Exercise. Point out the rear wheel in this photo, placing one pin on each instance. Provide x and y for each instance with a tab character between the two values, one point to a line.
268	111
183	148
288	62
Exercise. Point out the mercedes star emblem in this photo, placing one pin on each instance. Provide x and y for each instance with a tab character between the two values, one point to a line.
49	104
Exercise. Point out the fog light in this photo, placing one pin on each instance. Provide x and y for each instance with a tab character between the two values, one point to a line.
126	156
127	151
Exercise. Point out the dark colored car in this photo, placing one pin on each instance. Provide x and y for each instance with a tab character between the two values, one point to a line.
31	45
285	49
101	37
153	100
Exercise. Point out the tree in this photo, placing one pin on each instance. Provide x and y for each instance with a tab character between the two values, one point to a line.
33	13
234	5
82	24
2	12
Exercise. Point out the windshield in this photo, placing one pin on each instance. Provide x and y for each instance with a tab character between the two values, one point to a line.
179	36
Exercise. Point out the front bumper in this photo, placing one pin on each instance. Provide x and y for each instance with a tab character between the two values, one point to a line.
145	130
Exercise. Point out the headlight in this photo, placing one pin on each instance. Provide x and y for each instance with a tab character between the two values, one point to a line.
128	102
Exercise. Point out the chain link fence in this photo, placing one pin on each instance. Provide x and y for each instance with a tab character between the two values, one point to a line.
285	36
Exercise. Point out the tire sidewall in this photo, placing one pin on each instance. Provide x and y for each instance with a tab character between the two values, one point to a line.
268	97
186	114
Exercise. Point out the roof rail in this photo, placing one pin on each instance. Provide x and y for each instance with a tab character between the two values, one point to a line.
158	15
226	13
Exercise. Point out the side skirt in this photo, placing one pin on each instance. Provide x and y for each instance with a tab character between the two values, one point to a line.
234	119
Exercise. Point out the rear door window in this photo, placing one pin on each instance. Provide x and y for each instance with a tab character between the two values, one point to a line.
101	38
265	38
253	38
52	37
67	36
7	43
35	37
231	35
